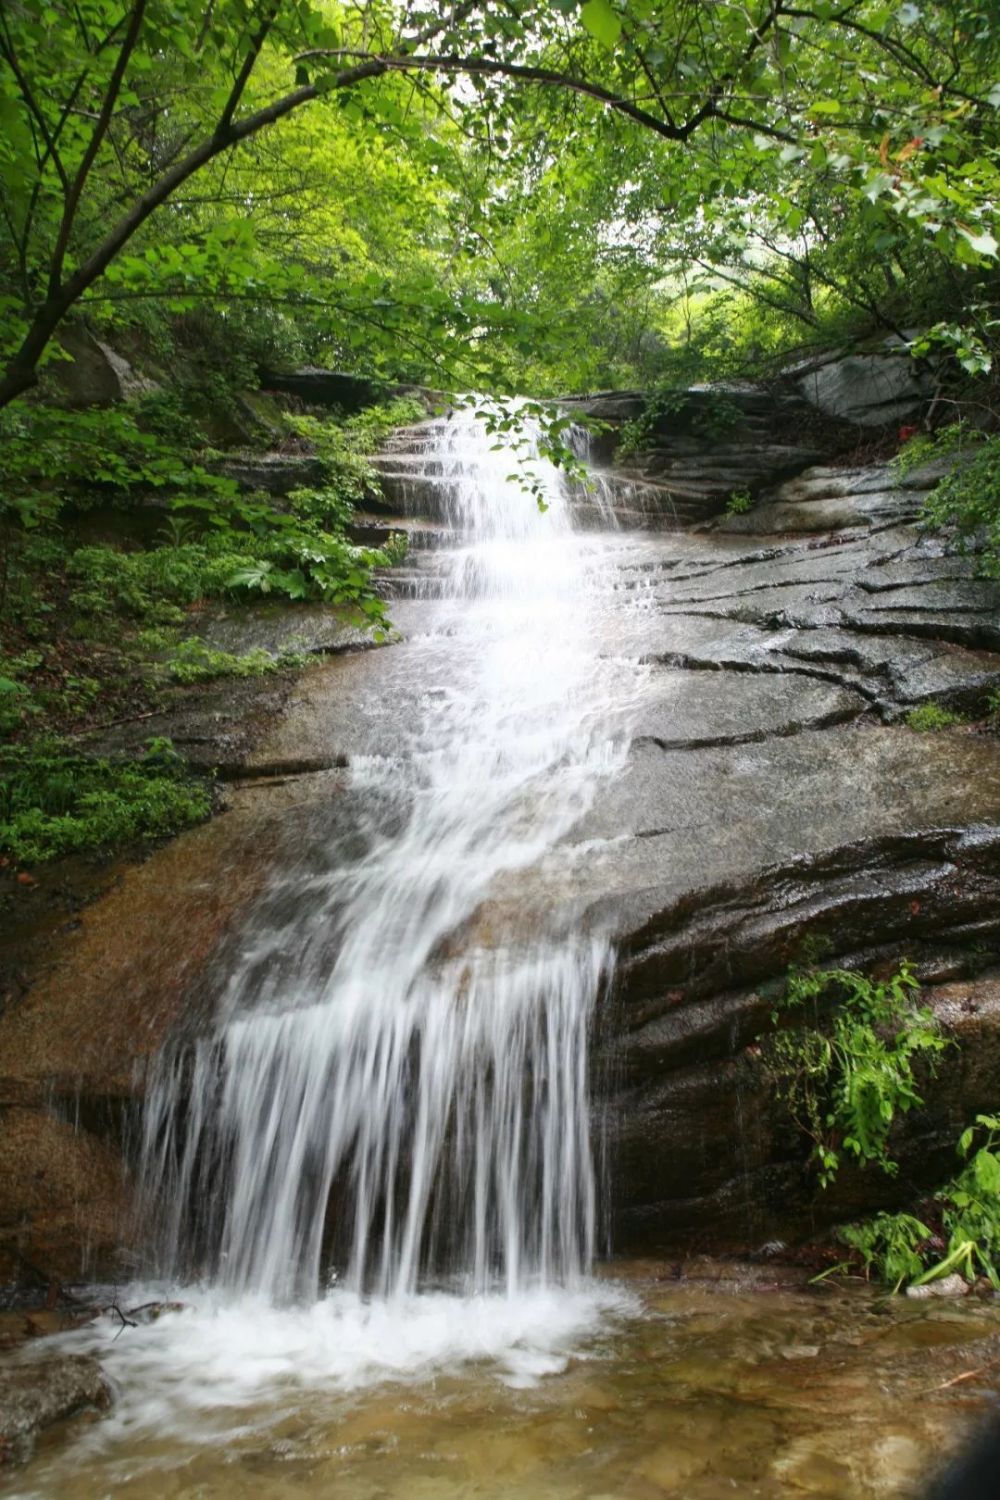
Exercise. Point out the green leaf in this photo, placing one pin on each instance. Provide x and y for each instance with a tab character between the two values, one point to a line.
986	1167
602	22
981	241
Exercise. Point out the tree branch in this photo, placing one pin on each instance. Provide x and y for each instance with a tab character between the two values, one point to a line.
94	144
24	88
249	62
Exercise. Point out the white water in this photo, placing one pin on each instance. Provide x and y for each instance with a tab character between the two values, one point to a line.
392	1114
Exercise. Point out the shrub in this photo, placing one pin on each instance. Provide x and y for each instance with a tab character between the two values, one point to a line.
968	499
901	1249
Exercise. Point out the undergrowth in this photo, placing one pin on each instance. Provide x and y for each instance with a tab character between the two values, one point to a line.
902	1250
967	500
846	1076
98	632
54	802
845	1068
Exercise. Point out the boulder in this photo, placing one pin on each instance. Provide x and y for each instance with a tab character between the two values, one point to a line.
36	1393
277	474
870	390
94	374
341	389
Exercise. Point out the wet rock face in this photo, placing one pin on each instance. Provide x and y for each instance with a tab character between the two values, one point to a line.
36	1393
772	796
277	474
61	1189
748	825
706	445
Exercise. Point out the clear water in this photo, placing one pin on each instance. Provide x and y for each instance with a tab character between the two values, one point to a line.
658	1391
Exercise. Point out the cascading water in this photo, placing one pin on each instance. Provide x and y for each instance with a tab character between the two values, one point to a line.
391	1106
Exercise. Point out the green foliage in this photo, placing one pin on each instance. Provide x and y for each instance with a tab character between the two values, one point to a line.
344	444
848	1073
191	660
902	1250
155	585
891	1245
248	548
49	455
834	166
715	417
971	1206
28	696
923	447
930	717
739	503
55	802
968	499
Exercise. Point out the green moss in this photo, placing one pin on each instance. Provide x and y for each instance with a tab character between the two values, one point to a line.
930	717
191	660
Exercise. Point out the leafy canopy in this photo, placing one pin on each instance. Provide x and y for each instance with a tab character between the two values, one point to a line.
496	195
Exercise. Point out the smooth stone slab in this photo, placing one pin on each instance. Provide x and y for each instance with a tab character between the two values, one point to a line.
688	710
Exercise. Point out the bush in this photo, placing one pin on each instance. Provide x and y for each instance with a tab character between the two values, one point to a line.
274	553
901	1249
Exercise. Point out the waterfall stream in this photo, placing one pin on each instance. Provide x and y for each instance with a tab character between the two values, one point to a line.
393	1097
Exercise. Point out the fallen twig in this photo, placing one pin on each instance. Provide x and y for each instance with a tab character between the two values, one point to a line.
958	1379
113	724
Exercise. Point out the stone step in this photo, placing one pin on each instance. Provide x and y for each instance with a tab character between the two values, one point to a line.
422	536
403	462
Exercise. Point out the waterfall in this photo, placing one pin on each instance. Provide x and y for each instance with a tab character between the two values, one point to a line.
394	1091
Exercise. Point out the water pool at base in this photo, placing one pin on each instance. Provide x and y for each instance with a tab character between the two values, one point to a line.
631	1388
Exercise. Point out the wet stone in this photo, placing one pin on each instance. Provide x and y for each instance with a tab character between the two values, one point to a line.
36	1393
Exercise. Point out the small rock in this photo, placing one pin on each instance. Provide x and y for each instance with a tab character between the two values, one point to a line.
948	1286
36	1393
800	1351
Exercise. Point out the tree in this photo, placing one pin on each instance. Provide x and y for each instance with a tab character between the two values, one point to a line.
112	107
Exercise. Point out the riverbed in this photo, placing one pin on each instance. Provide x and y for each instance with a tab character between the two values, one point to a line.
637	1386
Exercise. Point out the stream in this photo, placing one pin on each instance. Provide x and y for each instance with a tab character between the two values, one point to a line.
374	1174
